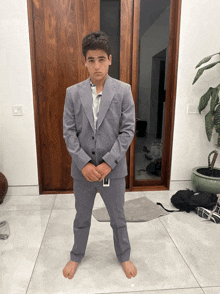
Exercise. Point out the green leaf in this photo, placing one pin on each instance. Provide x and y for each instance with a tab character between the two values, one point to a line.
209	124
214	100
217	119
206	59
198	75
205	99
201	70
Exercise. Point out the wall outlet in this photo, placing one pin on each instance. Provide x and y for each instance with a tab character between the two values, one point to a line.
192	108
17	110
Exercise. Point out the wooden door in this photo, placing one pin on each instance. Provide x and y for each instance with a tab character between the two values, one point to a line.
57	28
56	33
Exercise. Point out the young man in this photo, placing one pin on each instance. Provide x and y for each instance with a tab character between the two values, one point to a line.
98	128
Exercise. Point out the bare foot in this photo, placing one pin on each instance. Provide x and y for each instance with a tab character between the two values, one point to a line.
129	269
70	269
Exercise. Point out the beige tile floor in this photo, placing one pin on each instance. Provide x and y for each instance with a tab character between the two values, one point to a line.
174	254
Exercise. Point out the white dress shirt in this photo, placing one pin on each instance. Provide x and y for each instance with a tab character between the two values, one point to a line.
96	102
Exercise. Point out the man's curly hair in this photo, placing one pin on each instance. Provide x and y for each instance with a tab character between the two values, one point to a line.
96	40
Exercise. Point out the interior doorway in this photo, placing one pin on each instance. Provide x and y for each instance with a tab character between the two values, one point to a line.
154	78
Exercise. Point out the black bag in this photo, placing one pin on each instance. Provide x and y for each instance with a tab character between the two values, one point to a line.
187	200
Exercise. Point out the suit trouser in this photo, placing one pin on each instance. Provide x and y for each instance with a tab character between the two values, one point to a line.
113	197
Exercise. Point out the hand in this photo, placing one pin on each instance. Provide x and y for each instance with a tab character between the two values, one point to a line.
103	169
90	173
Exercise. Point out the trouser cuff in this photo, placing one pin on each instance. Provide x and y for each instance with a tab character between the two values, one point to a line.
124	258
75	258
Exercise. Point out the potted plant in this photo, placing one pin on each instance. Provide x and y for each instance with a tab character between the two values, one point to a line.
3	187
3	191
208	178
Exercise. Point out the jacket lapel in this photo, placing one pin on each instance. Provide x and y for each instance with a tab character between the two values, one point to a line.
85	94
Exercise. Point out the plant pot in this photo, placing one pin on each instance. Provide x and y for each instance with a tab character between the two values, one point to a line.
3	187
202	182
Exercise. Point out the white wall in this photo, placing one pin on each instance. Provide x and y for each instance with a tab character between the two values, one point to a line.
18	161
199	37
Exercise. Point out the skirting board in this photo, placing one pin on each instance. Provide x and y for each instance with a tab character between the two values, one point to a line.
34	190
23	190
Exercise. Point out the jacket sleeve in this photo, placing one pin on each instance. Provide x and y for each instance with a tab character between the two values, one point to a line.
79	156
126	132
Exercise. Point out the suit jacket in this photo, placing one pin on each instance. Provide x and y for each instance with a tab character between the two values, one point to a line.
115	126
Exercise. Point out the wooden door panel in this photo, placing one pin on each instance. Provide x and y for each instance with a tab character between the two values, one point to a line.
58	31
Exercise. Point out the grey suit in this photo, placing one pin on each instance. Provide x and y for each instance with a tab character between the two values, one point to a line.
109	143
115	127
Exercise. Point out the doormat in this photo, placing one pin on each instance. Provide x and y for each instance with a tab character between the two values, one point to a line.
137	210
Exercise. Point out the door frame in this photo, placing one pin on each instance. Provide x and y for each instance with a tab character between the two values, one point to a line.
171	82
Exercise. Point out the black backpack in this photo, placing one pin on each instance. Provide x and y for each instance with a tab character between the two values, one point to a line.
187	200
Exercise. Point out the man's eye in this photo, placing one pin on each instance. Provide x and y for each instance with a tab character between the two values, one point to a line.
102	59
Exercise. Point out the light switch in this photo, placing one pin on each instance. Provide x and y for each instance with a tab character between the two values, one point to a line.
17	110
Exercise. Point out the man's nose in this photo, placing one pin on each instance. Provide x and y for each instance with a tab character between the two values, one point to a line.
96	64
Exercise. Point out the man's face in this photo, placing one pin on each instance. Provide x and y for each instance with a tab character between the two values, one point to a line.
98	63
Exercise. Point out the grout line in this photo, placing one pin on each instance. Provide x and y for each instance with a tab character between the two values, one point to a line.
51	210
181	255
151	291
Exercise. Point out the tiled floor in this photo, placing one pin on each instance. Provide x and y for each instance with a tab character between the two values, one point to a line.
174	254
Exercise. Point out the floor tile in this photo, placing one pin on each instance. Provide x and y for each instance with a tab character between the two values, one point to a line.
197	239
213	290
67	201
20	250
159	264
12	203
64	201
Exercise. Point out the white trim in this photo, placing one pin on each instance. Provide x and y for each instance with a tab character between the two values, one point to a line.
23	191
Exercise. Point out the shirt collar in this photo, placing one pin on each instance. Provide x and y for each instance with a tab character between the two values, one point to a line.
93	85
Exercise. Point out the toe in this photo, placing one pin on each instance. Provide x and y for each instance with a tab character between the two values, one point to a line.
134	272
129	276
70	276
64	273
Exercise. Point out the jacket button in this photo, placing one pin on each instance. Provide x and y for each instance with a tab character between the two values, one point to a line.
93	152
93	138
